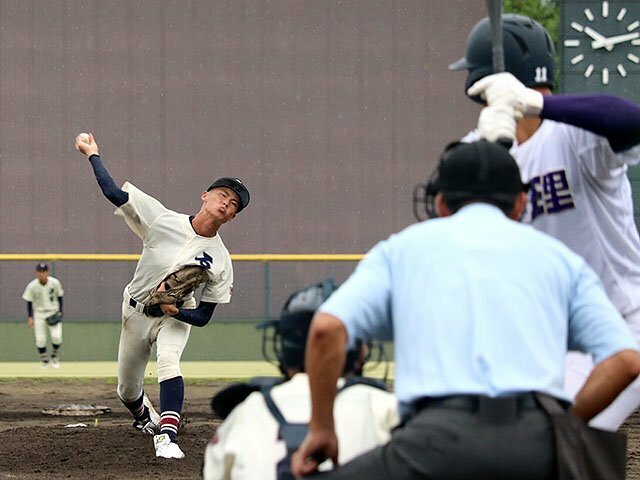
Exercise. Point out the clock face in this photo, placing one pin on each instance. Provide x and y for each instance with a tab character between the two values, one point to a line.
600	45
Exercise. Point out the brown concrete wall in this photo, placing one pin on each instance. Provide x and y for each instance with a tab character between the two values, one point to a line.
330	111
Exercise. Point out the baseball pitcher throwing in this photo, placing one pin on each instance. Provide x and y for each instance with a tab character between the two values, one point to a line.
179	253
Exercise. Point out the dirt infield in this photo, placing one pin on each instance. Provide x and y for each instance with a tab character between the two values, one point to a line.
36	446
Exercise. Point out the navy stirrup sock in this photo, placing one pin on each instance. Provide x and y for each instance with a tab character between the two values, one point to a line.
171	398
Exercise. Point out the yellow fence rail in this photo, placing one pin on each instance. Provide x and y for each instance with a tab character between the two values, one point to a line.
127	257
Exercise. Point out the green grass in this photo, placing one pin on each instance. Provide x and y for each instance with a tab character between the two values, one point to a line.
192	371
98	341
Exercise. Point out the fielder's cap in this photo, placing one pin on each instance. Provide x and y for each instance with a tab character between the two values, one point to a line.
42	267
237	186
481	169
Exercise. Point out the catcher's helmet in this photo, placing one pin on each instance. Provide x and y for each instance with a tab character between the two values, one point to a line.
529	54
480	170
289	332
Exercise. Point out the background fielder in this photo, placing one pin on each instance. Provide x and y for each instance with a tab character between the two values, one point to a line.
171	241
574	150
44	298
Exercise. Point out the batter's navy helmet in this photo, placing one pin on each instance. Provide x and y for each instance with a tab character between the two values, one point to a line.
529	54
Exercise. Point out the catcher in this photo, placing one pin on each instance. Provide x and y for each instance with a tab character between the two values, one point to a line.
265	419
179	254
44	309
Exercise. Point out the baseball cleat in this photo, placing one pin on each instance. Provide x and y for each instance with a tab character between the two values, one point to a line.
165	448
146	427
153	415
55	363
44	364
151	424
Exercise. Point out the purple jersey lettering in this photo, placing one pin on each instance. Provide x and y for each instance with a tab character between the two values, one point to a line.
550	193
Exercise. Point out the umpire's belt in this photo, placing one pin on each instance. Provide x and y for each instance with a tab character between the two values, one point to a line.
492	408
136	305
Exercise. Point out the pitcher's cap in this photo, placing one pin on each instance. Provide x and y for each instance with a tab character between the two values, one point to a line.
237	186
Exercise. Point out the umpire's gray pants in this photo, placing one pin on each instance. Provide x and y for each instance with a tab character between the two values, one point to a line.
442	442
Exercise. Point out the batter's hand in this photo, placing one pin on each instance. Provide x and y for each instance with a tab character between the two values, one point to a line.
505	89
30	322
87	147
497	122
317	446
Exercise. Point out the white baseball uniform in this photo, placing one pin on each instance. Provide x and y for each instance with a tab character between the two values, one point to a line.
580	194
169	243
246	445
44	299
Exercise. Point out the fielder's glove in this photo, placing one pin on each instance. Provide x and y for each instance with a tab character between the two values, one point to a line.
505	89
174	288
54	319
497	122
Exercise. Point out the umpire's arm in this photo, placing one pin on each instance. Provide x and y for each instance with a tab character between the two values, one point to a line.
596	327
607	380
324	363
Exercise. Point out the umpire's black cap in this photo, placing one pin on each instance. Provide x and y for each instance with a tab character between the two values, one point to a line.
478	169
42	267
237	186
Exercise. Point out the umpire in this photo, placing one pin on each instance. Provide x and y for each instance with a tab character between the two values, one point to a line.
482	310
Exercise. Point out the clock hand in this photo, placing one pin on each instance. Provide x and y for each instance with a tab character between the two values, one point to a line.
600	40
611	41
593	34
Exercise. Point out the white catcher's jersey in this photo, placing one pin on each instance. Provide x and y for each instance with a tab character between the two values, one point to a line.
246	446
44	297
170	243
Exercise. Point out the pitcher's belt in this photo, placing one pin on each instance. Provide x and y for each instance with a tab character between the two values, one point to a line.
136	305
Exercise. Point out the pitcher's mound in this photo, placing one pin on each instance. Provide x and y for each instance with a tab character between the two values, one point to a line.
77	410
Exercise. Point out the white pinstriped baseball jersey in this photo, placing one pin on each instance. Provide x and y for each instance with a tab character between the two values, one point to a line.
170	243
44	297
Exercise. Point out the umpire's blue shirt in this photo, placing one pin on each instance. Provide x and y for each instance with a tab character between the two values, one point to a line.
478	304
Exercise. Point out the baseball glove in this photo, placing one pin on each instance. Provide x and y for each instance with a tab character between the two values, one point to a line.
174	288
54	319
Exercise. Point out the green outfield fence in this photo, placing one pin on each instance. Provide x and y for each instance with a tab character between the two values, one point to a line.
96	339
265	258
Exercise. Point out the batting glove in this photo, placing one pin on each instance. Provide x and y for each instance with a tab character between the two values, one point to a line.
505	89
497	122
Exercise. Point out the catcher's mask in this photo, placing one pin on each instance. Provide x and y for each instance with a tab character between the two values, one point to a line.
237	186
480	171
286	337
